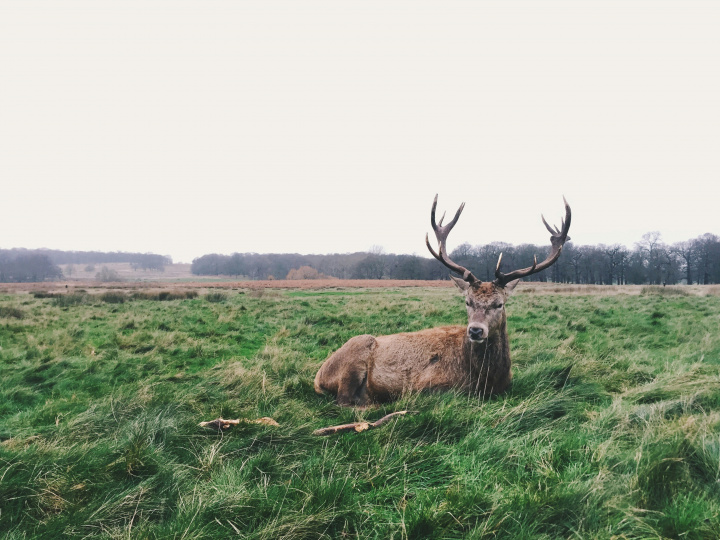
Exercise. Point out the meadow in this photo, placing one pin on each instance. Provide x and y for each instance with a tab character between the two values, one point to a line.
611	428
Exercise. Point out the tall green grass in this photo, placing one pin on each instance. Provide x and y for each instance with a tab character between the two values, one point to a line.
611	429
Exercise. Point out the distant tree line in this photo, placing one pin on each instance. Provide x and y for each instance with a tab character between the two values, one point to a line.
146	261
650	261
26	265
360	265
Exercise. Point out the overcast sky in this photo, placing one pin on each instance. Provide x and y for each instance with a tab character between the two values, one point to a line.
186	128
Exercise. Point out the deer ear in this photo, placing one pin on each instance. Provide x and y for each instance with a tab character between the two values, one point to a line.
511	285
460	283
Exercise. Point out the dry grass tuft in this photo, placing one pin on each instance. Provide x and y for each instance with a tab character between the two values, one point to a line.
8	312
664	291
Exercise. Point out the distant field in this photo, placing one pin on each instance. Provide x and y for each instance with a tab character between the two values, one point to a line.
201	282
83	272
611	429
178	276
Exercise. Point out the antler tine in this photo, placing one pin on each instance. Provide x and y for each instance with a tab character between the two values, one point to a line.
441	233
552	229
441	219
557	240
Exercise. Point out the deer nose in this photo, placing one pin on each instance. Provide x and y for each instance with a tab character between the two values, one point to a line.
476	333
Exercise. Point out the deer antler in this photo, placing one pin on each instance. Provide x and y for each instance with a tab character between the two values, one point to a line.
441	233
557	239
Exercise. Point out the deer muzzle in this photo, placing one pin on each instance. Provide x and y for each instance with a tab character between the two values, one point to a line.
477	331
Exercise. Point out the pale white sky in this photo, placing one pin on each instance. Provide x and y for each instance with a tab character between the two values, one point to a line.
186	128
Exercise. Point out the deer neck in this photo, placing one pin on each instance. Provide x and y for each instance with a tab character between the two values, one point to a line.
489	362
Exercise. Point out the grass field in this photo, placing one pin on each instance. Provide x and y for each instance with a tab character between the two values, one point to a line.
611	429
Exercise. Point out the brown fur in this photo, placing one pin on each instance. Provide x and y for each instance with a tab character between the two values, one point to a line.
371	369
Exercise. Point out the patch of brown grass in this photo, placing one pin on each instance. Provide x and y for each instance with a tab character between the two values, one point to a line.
179	290
712	290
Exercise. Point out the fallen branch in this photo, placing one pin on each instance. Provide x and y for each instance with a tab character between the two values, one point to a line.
357	426
221	423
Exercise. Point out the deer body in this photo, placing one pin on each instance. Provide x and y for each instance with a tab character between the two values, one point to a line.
473	358
377	369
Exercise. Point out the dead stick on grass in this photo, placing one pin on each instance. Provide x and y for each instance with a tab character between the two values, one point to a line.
221	423
357	426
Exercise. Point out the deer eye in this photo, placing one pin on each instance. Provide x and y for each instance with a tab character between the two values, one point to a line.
467	303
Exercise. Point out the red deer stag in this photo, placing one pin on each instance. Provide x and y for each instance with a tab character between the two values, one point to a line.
475	359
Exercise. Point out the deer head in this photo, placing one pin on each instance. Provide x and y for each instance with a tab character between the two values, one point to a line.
485	301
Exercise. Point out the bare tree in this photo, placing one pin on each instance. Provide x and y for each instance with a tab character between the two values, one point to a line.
650	247
687	252
614	257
